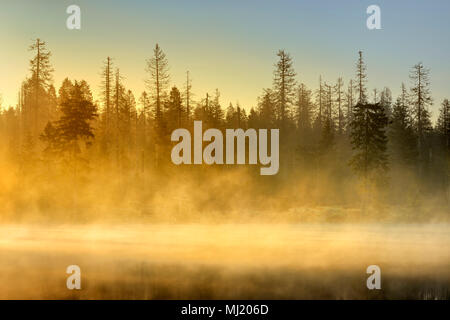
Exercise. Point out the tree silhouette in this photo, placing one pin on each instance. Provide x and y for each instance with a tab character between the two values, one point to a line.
158	81
175	110
361	77
75	125
421	100
37	86
368	139
106	92
443	124
339	100
284	86
402	134
266	109
304	110
350	102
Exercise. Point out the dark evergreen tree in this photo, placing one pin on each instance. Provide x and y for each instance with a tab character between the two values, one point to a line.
443	124
339	101
327	135
386	101
158	81
402	138
361	78
304	110
188	96
175	111
253	119
75	124
368	139
38	97
217	114
320	98
266	109
284	87
421	100
443	152
107	93
350	102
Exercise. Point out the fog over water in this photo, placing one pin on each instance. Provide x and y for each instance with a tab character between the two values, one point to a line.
225	260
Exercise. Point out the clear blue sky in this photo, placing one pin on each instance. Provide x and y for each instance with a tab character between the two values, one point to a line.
230	45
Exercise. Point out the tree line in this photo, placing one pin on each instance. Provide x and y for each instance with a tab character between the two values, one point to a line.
370	132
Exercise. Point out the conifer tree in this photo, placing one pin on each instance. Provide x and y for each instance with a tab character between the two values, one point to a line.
443	132
75	124
230	115
350	102
175	110
339	100
386	101
158	81
284	86
304	109
368	139
106	91
327	133
188	94
320	106
216	111
361	78
443	125
128	119
253	119
421	100
38	85
266	109
145	103
402	138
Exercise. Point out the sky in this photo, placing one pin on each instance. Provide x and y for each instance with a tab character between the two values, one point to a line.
230	45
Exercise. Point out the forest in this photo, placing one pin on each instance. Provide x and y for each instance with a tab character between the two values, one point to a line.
347	152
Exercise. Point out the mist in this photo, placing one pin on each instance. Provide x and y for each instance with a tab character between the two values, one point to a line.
359	182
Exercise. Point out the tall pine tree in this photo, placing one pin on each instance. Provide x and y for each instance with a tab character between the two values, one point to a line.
368	139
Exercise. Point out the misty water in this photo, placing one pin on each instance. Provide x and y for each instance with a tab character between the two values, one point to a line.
225	260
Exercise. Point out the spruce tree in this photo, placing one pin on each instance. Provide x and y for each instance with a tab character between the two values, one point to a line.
284	86
78	112
368	139
188	96
266	109
175	110
217	113
37	87
386	101
158	81
320	106
304	109
327	133
107	93
421	100
339	101
443	133
361	79
75	124
402	138
350	102
443	125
